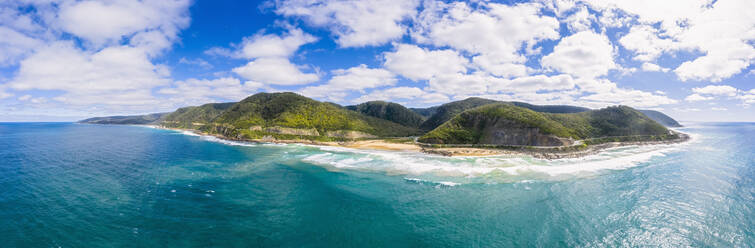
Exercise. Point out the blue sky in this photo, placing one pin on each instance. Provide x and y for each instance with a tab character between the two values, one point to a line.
62	60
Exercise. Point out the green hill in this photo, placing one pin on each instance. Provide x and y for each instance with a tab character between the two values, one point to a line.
126	120
661	118
506	124
195	116
447	111
389	111
425	112
255	114
440	114
551	108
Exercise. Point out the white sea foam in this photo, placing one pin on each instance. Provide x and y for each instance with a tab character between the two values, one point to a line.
451	171
190	133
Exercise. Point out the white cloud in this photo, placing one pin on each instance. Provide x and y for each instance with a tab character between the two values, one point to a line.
360	77
197	62
718	90
200	91
275	71
747	97
644	41
697	97
721	31
154	23
356	78
355	23
15	45
24	97
581	20
493	33
417	63
403	95
62	66
583	55
271	45
533	84
629	97
647	66
4	94
718	109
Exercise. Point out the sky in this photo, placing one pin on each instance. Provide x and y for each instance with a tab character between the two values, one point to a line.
63	60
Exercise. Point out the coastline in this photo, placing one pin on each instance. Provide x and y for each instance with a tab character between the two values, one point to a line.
549	153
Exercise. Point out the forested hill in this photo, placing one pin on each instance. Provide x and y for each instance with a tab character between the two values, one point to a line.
389	111
473	120
507	124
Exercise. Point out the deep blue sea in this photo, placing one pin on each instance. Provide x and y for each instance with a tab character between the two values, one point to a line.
78	185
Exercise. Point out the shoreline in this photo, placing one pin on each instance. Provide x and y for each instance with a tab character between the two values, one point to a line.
383	145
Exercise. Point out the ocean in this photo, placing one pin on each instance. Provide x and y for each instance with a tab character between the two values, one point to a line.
79	185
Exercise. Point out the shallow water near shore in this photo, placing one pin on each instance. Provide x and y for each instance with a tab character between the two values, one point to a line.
75	185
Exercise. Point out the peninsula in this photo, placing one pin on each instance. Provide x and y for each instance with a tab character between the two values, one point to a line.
474	126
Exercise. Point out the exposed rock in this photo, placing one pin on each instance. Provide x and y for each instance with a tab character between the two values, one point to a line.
502	131
293	131
348	134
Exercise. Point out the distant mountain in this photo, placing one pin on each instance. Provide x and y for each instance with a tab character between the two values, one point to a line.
559	109
196	116
506	124
287	116
389	111
440	114
425	112
661	118
447	111
126	120
288	113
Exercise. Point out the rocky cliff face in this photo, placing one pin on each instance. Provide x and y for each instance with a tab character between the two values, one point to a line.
501	131
348	134
288	130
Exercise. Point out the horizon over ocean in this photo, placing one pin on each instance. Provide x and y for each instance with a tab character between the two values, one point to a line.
73	185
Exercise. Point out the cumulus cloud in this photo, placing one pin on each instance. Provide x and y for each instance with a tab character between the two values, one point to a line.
197	62
266	45
697	97
275	71
689	26
90	53
416	63
644	41
270	58
15	45
344	81
494	33
87	77
354	23
718	90
647	66
412	95
630	97
710	92
154	24
584	54
200	91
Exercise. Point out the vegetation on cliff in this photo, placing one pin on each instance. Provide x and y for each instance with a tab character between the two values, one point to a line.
389	111
296	111
127	120
194	116
447	111
661	118
287	116
499	121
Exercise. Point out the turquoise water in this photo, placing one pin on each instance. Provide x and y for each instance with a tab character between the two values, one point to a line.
75	185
